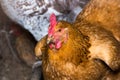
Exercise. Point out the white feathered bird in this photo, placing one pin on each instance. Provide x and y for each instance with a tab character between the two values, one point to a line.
33	15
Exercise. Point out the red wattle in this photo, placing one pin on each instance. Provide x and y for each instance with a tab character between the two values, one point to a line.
58	44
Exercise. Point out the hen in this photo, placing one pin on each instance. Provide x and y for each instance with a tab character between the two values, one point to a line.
60	54
67	49
61	57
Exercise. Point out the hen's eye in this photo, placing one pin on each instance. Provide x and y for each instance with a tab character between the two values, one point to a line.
59	30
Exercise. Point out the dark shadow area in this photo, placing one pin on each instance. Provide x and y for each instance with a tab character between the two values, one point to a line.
14	63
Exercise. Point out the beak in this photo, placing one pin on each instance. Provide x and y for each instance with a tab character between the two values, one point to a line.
49	39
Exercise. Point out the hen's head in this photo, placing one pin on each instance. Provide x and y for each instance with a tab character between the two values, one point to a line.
57	33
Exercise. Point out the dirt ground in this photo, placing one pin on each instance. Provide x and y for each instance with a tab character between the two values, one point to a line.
11	67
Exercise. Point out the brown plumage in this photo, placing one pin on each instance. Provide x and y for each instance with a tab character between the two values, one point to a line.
100	20
103	44
70	62
104	12
80	57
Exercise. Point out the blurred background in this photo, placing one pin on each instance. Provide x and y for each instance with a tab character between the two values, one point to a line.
12	64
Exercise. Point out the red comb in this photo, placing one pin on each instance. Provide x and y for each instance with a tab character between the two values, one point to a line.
53	23
53	20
